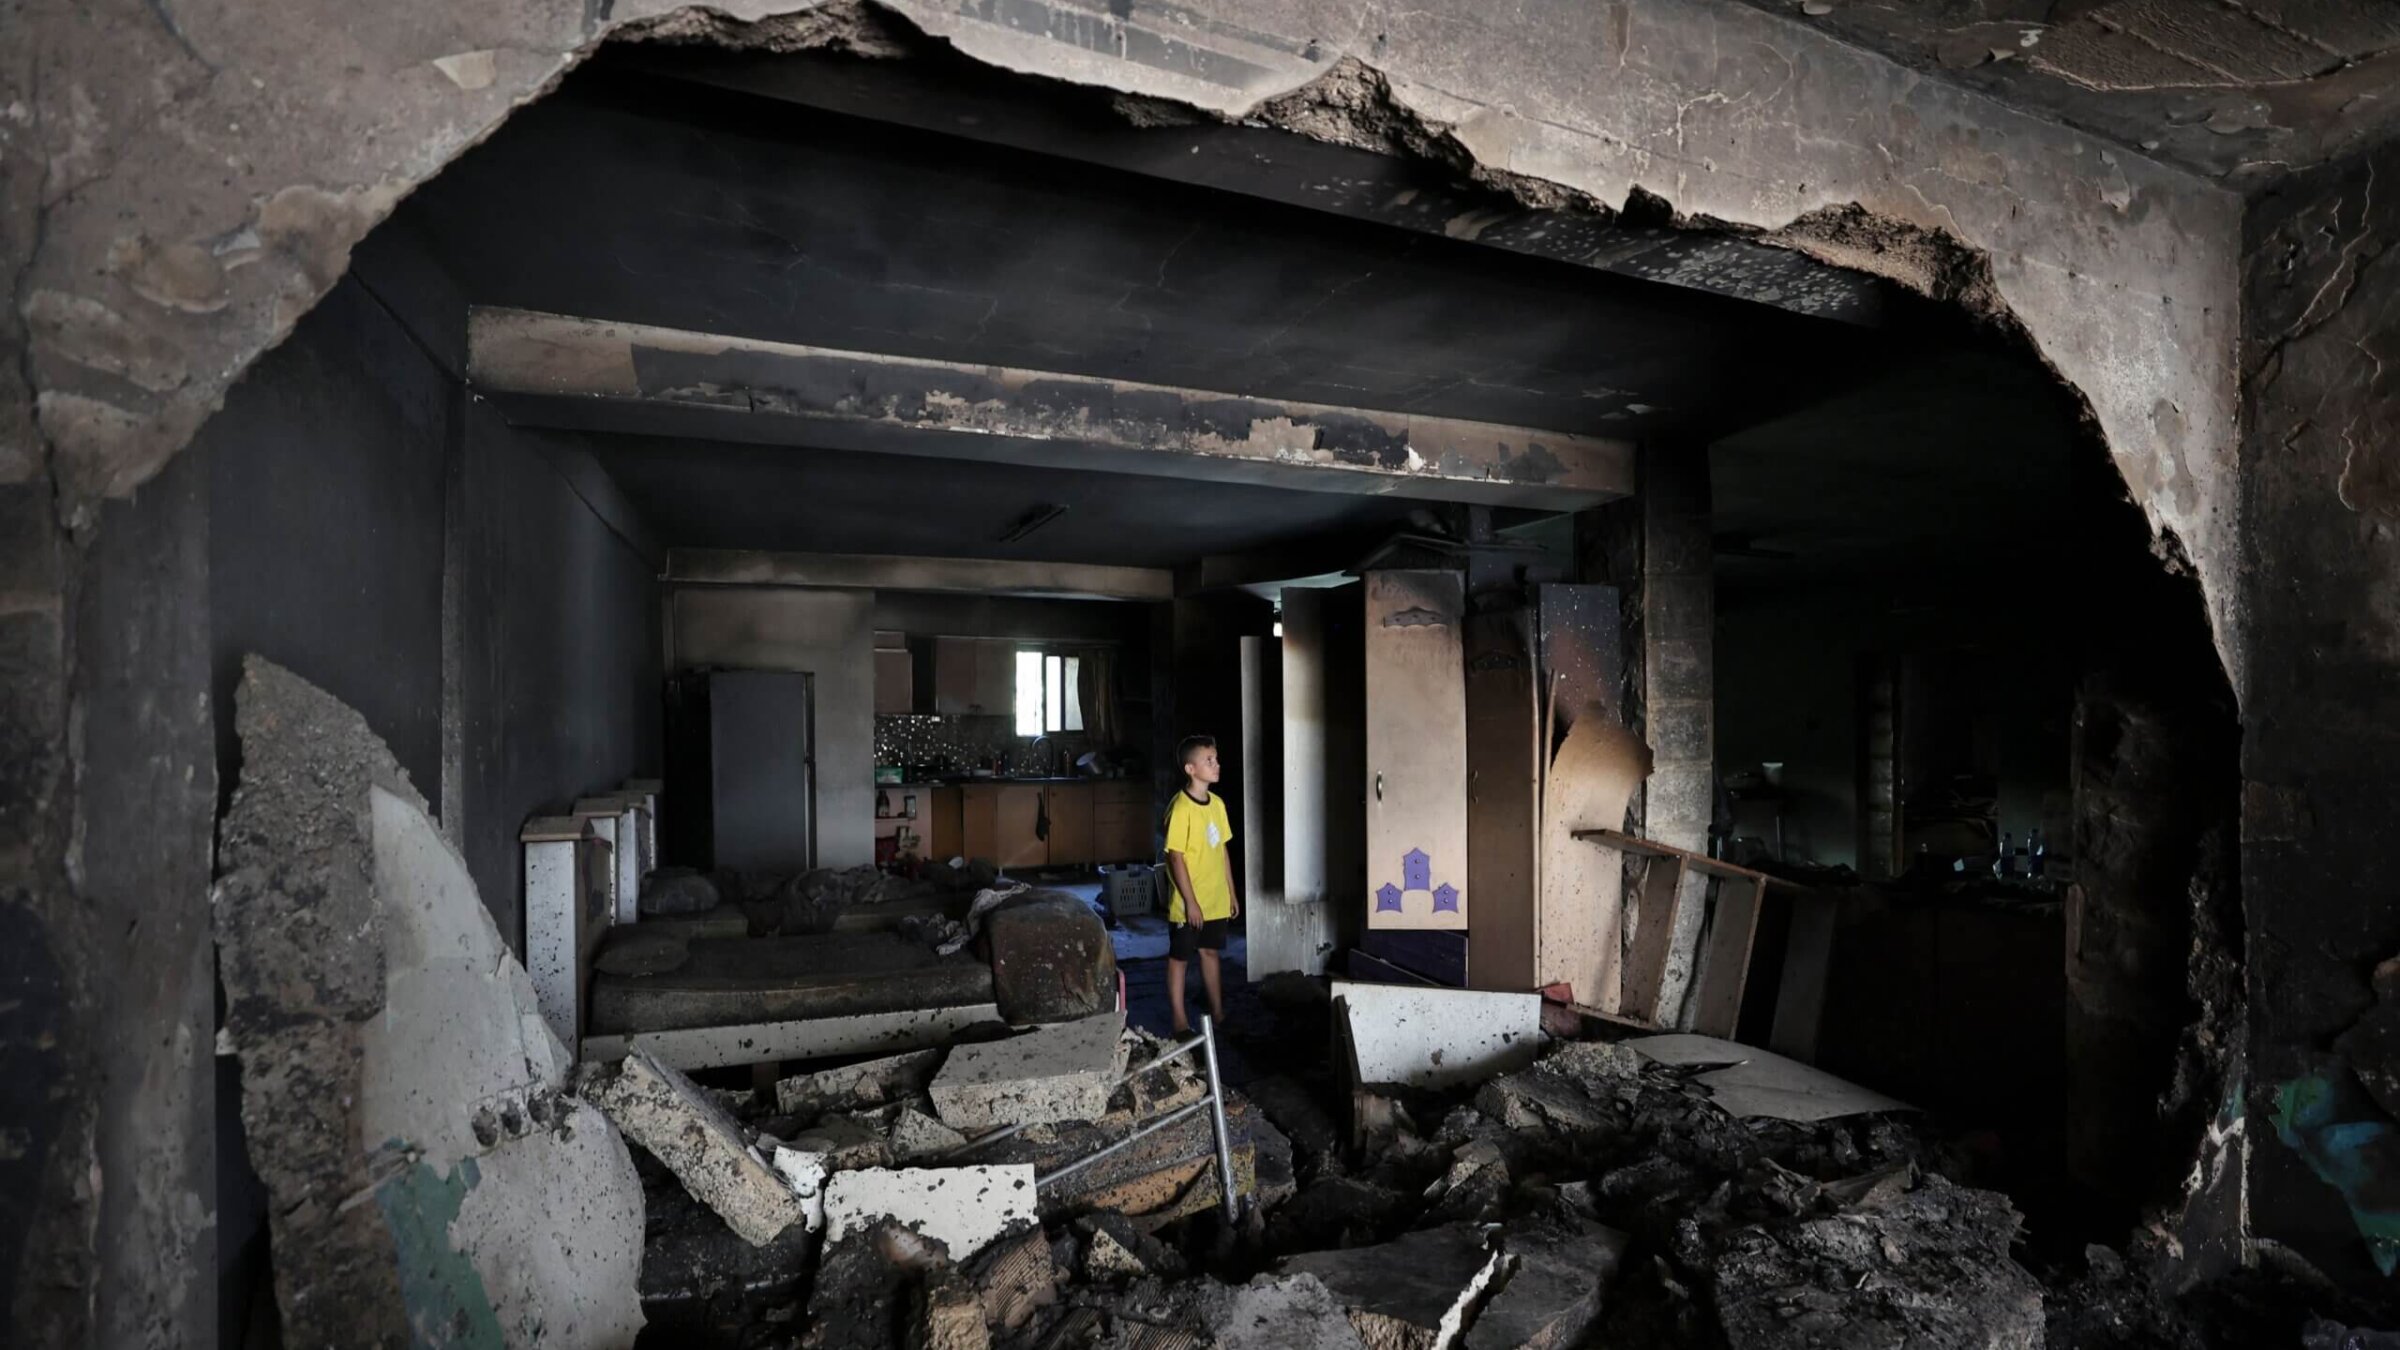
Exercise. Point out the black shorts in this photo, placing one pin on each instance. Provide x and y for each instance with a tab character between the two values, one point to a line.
1185	942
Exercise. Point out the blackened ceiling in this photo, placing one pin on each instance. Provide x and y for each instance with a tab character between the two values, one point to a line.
1947	466
2241	90
716	495
651	202
1852	432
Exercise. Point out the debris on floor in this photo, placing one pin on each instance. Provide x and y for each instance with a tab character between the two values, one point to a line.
686	1129
1425	1037
963	1208
1412	1293
1658	1191
1052	1073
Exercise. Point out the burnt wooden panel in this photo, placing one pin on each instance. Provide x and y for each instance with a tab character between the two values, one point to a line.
1725	958
1582	649
1503	799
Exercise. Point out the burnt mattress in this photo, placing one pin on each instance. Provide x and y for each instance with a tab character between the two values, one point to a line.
731	981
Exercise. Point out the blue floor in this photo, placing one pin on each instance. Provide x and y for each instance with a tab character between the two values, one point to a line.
1141	943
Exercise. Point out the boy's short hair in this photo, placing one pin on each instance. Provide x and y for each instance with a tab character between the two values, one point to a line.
1193	745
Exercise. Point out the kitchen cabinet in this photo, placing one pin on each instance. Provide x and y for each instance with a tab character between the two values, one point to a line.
1121	823
995	677
1001	821
895	682
946	832
1069	807
974	676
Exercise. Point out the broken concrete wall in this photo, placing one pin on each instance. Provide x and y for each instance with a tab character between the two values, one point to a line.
156	278
2321	496
403	1098
182	186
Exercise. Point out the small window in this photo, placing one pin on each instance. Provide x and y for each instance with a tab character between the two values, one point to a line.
1029	693
1049	693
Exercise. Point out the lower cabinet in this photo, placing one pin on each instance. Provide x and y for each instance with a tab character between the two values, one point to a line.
1069	811
1002	822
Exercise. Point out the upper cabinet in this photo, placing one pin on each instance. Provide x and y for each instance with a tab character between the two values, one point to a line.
975	676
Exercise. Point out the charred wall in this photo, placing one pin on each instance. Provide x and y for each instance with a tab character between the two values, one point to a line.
181	188
2321	711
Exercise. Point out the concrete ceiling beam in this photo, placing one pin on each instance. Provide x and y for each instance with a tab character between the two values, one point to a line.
1264	163
593	375
880	572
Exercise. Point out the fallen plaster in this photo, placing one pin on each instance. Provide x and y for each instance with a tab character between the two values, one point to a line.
684	1128
1430	1038
403	1098
965	1208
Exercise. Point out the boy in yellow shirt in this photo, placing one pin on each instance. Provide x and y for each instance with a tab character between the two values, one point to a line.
1204	902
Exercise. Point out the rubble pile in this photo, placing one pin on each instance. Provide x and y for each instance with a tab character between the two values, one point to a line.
1594	1197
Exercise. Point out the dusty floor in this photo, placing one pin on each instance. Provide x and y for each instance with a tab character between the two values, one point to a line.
1614	1202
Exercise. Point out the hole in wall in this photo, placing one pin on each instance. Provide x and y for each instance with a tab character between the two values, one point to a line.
823	200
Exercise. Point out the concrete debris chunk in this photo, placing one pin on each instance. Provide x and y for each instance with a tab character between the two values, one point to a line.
949	1316
846	1142
1433	1038
403	1094
1286	1312
916	1136
861	1297
1164	1087
1539	1100
1014	1277
1593	1061
1414	1293
963	1207
1556	1278
805	1173
1473	1187
682	1127
1055	1073
871	1082
1108	1259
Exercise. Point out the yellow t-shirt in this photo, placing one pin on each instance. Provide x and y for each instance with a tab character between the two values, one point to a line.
1200	831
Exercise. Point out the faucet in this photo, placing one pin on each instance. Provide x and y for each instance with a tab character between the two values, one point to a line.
1047	753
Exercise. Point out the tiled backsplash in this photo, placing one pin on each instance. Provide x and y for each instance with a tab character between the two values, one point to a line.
951	744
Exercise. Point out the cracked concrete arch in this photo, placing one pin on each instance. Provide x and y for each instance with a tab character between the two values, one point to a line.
182	189
178	185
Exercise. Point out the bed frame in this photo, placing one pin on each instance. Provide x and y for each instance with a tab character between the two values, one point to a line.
583	875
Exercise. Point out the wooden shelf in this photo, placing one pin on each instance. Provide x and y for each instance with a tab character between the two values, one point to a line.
1650	848
1723	961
